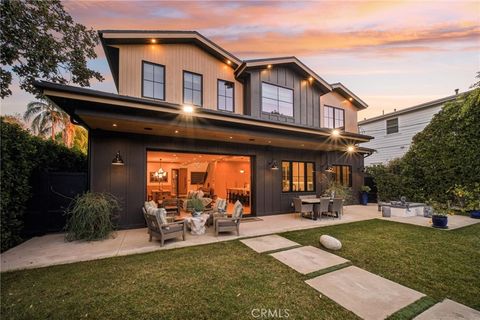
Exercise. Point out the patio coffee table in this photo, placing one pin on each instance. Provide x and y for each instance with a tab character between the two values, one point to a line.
197	224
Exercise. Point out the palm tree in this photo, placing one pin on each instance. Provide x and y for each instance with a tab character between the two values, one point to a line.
47	118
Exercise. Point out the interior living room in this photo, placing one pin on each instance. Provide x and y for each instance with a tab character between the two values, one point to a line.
172	178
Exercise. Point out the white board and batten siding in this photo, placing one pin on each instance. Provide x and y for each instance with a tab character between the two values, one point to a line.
395	145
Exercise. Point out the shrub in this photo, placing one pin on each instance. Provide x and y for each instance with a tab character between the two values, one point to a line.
90	216
22	155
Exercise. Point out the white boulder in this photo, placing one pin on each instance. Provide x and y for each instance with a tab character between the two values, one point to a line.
330	242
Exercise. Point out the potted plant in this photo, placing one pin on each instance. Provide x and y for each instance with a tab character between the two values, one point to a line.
197	207
440	215
364	190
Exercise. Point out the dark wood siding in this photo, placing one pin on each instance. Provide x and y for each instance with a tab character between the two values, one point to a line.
128	182
306	97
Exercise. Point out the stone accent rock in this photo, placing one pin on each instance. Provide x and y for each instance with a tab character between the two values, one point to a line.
330	242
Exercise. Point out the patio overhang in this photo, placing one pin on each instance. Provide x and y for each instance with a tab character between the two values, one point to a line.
112	112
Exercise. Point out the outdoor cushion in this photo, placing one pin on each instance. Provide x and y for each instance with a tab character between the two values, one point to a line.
226	223
151	203
159	213
237	210
173	228
220	204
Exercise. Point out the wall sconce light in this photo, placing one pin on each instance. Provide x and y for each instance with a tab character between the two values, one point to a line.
242	171
273	165
118	161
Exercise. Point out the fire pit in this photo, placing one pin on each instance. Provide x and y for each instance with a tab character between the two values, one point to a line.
405	209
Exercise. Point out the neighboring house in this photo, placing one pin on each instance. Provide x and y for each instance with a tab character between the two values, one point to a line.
393	132
190	115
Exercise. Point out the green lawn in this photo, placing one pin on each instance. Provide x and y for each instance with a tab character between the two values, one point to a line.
227	280
441	264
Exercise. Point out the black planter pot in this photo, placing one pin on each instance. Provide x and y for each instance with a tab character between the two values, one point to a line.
440	221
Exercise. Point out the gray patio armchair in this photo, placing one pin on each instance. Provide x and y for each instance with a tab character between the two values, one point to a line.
163	231
223	224
303	208
337	207
322	207
219	210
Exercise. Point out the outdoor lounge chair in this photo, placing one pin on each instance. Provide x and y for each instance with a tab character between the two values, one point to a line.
219	210
303	208
223	224
163	231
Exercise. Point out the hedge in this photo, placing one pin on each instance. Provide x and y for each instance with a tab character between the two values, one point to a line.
21	155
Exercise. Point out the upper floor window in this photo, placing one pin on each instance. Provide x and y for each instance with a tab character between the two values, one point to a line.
298	176
277	99
392	126
343	174
225	95
192	88
153	85
334	117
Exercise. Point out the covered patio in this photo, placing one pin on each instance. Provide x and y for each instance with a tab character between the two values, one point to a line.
53	249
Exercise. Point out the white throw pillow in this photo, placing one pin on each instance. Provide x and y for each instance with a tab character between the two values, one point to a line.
237	210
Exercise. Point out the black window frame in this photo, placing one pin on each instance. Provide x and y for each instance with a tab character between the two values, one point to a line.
350	175
387	127
153	81
201	88
278	99
305	179
334	117
233	96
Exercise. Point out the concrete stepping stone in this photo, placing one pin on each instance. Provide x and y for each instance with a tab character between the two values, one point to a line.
367	295
308	259
449	310
268	243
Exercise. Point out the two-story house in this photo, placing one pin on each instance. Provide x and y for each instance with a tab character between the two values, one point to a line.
190	115
393	132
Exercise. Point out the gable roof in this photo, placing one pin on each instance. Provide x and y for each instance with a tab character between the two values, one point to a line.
293	61
430	104
347	94
113	37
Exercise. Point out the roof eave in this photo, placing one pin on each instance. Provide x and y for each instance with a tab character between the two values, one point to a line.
49	86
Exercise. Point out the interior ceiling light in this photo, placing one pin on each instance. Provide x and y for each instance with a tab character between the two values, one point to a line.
153	41
269	66
350	99
229	62
114	125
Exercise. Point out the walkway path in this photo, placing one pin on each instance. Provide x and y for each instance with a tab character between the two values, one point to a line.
52	249
367	295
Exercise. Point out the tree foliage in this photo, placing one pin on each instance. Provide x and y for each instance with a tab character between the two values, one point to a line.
39	39
444	155
22	155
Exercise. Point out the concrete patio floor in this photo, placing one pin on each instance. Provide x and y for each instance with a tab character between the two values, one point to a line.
53	249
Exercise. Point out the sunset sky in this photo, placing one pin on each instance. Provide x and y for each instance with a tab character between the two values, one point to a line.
391	54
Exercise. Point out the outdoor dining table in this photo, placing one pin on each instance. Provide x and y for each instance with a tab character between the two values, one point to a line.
316	201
